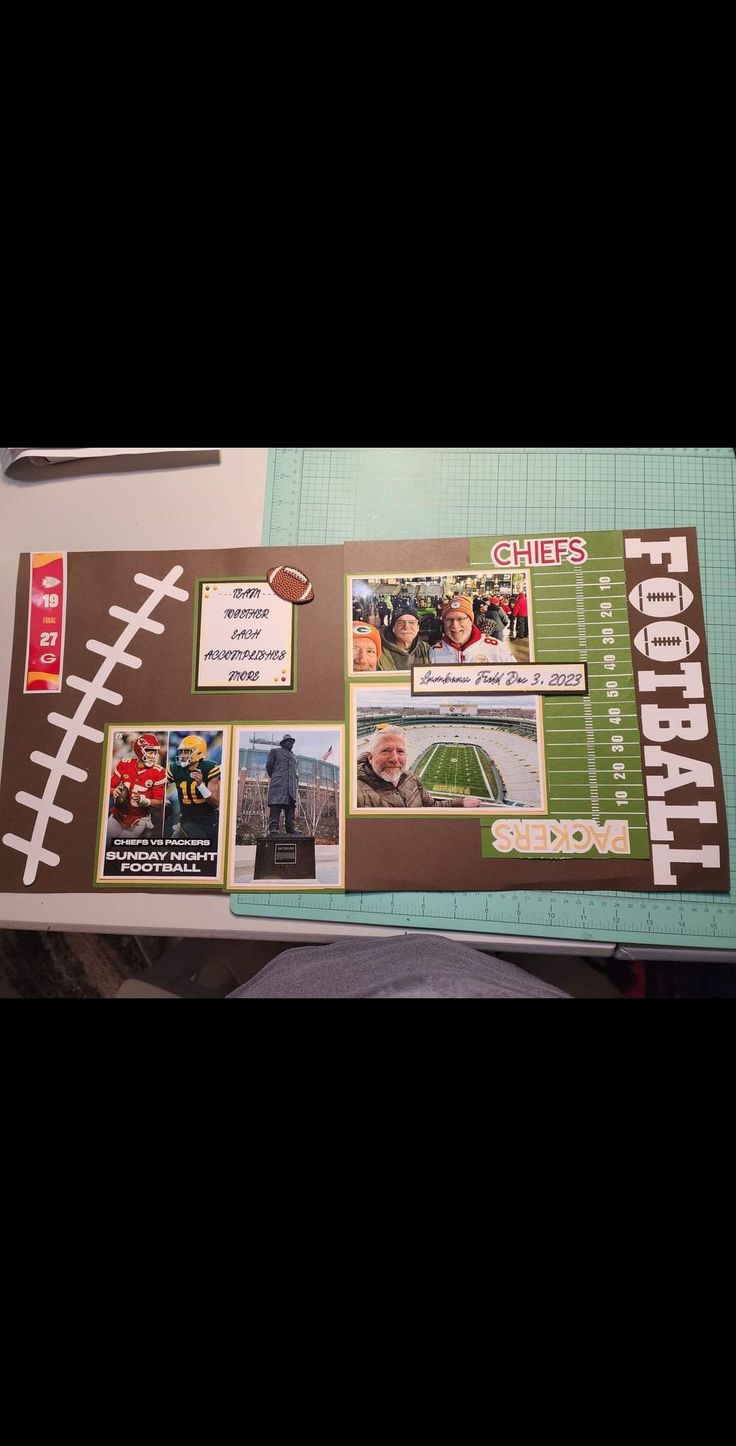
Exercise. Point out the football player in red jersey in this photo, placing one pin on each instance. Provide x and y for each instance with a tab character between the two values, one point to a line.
138	786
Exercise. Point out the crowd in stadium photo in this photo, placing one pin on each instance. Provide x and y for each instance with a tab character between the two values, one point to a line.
400	623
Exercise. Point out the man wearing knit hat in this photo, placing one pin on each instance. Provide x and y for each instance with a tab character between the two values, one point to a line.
403	649
367	648
463	642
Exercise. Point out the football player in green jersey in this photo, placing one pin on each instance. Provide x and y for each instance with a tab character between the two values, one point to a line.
197	780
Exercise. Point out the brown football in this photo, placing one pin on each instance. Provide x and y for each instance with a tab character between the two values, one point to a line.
290	584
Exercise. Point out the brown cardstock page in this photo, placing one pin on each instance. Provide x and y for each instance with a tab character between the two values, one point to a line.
429	853
159	692
442	852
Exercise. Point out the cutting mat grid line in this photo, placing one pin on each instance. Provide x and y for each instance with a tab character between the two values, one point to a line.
333	495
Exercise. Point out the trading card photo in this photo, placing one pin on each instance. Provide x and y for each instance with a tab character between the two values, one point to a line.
163	808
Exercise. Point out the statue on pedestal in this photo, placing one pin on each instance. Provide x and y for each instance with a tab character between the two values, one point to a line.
283	794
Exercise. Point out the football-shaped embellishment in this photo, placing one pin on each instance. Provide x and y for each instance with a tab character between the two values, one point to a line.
291	585
667	642
660	597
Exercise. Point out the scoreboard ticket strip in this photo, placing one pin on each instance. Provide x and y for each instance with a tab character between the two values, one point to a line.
323	495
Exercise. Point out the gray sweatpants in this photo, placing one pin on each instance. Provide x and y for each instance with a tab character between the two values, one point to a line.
408	967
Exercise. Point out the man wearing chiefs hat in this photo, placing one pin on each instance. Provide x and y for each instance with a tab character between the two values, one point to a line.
367	648
463	642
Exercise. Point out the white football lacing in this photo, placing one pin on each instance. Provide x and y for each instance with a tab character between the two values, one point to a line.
93	691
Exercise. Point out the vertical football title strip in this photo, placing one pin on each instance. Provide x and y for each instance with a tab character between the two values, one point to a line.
686	803
46	623
93	691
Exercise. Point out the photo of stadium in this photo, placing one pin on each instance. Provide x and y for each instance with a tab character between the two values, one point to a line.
490	750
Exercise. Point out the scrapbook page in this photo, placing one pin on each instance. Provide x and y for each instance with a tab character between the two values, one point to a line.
133	677
470	713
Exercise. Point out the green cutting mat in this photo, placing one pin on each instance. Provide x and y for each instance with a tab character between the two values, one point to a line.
332	494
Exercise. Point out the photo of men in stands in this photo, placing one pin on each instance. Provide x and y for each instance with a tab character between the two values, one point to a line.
404	622
421	753
303	801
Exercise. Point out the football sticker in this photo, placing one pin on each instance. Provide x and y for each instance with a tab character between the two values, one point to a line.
290	584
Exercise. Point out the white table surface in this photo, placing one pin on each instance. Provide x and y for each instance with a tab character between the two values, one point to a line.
90	514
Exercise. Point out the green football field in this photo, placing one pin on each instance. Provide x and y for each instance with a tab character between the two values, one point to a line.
456	768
